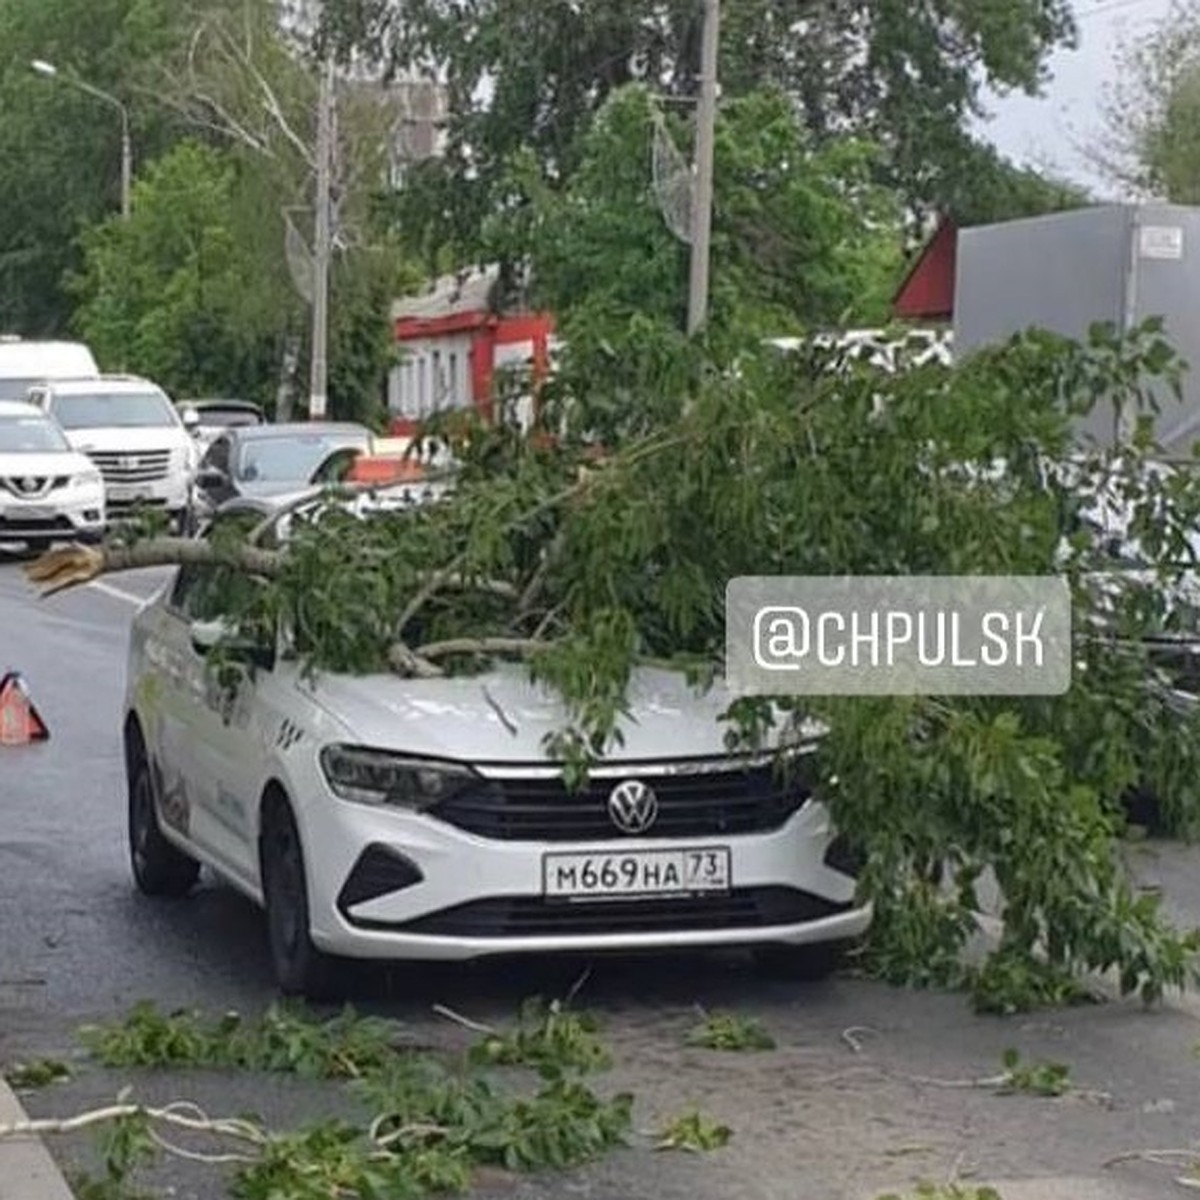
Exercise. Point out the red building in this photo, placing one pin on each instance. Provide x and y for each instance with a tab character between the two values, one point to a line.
453	341
927	291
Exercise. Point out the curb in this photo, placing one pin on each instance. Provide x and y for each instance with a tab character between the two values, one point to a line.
27	1172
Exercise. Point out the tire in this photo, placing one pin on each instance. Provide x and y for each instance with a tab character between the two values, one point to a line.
159	869
801	964
300	968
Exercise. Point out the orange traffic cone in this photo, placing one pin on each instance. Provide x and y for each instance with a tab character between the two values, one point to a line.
20	722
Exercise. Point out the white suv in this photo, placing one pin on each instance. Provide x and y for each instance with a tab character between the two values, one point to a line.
130	429
385	818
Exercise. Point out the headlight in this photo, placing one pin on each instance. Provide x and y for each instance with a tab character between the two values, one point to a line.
378	777
88	479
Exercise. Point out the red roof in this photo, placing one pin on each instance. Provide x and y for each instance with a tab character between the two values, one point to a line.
927	291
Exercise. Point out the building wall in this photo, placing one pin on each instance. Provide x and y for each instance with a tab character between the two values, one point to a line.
434	375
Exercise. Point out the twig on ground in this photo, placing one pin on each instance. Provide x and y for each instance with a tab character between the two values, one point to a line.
1154	1156
577	986
465	1022
848	1036
182	1114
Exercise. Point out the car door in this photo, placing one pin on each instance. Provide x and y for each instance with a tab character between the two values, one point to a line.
217	695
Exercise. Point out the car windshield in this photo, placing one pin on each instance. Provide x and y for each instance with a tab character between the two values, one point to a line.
290	458
15	389
30	434
108	410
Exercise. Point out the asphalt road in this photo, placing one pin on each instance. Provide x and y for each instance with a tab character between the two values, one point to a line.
78	944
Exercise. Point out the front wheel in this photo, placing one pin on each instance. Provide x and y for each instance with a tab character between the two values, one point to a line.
159	869
300	968
801	964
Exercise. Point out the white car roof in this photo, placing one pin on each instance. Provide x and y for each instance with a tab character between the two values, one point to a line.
104	384
44	360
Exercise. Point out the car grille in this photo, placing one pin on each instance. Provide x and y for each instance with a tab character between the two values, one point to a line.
16	525
533	916
29	487
142	466
690	804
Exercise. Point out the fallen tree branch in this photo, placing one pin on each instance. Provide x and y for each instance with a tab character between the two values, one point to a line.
484	645
181	1114
72	566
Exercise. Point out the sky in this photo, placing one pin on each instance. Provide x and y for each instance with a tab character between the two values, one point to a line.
1048	130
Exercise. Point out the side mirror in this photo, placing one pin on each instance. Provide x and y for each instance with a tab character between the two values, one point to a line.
208	635
211	477
190	418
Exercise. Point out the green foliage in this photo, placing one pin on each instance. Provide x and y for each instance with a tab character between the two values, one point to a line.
166	292
902	77
801	234
695	1132
282	1039
1036	1079
728	1031
125	1145
429	1122
62	145
1150	113
946	1191
548	1037
39	1073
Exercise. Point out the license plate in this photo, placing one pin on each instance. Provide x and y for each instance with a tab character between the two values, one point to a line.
117	491
636	873
32	512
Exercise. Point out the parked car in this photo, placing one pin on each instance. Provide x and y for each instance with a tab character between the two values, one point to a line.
26	363
378	817
262	461
129	428
208	418
47	490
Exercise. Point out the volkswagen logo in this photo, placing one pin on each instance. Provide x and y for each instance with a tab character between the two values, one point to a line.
632	806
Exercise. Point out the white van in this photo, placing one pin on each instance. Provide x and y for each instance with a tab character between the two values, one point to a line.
25	363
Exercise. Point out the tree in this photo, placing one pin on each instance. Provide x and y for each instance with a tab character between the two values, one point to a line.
585	564
174	290
1151	147
531	74
62	148
984	188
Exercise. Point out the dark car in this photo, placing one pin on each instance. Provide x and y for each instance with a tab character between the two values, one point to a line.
260	462
209	417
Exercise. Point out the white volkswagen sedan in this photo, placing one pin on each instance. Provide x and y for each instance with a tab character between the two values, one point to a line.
47	490
388	818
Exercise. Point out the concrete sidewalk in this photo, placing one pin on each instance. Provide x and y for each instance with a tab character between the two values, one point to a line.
27	1172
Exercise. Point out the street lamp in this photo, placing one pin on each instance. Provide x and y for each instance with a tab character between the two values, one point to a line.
51	72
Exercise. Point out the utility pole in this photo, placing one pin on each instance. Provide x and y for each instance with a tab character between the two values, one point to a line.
126	166
702	189
321	247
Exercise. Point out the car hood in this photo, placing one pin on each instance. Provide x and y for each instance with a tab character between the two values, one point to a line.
502	717
131	439
52	462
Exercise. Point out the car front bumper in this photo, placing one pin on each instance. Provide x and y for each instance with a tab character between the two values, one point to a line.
65	513
442	893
